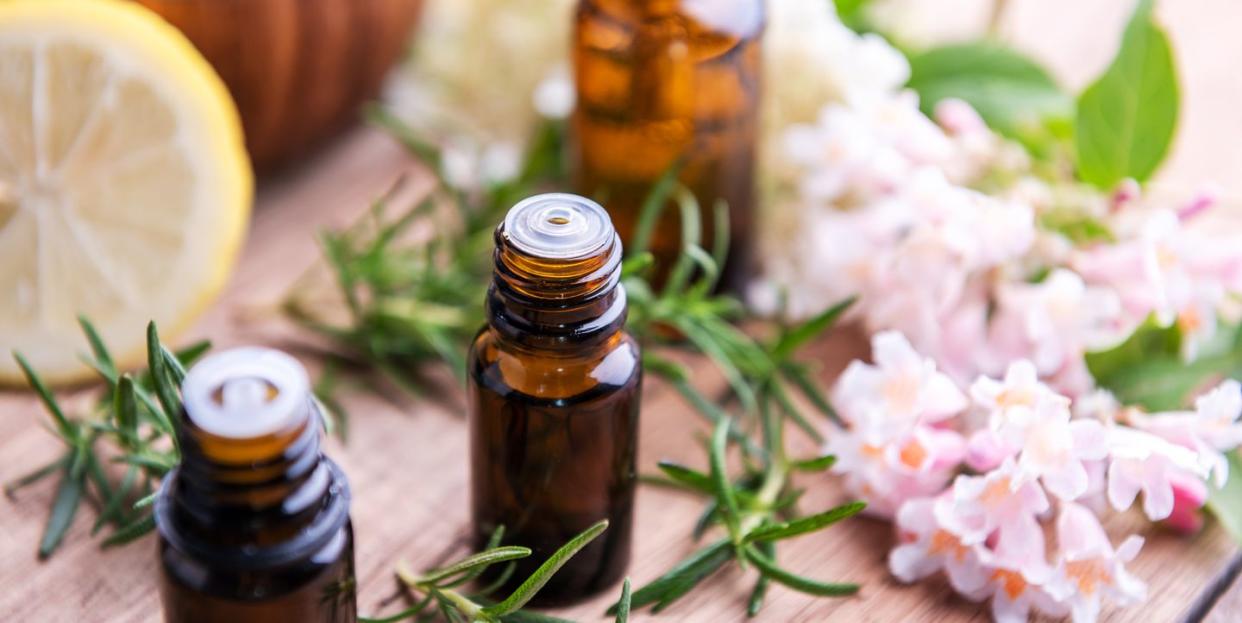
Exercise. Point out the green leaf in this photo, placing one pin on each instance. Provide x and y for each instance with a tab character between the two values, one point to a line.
817	464
653	205
1149	341
146	501
1226	502
807	524
173	366
136	529
1079	228
64	508
165	391
806	585
1147	369
427	153
114	508
793	339
693	479
705	520
759	593
682	577
125	410
1011	92
480	560
408	613
775	390
720	478
100	351
852	14
623	604
188	355
802	380
35	476
528	616
67	431
1127	117
526	591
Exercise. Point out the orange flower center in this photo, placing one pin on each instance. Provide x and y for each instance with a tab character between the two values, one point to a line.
996	492
1014	398
1011	581
913	454
944	541
1088	574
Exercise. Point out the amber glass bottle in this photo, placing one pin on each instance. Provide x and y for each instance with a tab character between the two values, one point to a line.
254	524
554	394
660	80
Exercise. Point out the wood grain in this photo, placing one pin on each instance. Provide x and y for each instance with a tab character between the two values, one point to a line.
298	69
407	466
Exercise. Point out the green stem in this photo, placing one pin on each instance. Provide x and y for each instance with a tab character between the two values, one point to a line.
464	605
774	481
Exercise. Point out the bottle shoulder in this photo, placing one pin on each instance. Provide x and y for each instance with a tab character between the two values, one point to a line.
505	367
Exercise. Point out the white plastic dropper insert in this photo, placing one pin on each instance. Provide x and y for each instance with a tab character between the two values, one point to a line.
245	393
558	226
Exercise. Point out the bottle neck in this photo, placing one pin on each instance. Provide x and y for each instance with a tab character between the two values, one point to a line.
553	304
253	501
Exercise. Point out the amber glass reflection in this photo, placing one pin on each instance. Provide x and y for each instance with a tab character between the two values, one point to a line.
554	398
660	80
256	530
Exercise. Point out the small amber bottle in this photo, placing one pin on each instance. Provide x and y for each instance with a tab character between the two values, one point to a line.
554	384
254	524
663	80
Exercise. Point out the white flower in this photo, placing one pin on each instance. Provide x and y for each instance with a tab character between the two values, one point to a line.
902	388
1159	267
1012	404
888	472
1088	569
1057	450
1141	461
468	167
821	61
926	547
1211	428
1058	319
554	96
1018	575
998	500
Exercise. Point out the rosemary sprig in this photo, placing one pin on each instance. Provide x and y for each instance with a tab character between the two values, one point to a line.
382	275
133	422
410	300
435	592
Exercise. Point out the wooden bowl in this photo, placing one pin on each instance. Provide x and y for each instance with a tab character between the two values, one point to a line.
298	69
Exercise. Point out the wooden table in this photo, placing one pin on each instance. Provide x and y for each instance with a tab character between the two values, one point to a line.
407	465
407	462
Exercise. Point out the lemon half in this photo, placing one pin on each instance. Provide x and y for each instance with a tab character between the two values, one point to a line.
125	188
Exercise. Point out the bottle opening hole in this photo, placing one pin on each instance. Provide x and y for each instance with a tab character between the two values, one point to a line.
242	393
558	220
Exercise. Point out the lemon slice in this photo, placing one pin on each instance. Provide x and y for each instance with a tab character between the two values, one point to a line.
124	184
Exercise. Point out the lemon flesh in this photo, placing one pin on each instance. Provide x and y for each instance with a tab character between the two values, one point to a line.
124	183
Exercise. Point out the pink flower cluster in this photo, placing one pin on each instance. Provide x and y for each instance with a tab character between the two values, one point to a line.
947	235
970	475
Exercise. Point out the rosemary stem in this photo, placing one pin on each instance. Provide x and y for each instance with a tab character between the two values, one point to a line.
461	602
774	481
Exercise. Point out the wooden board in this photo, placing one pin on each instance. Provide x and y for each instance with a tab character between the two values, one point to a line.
407	466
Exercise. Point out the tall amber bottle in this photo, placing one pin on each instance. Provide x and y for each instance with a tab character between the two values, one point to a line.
660	80
254	524
554	385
